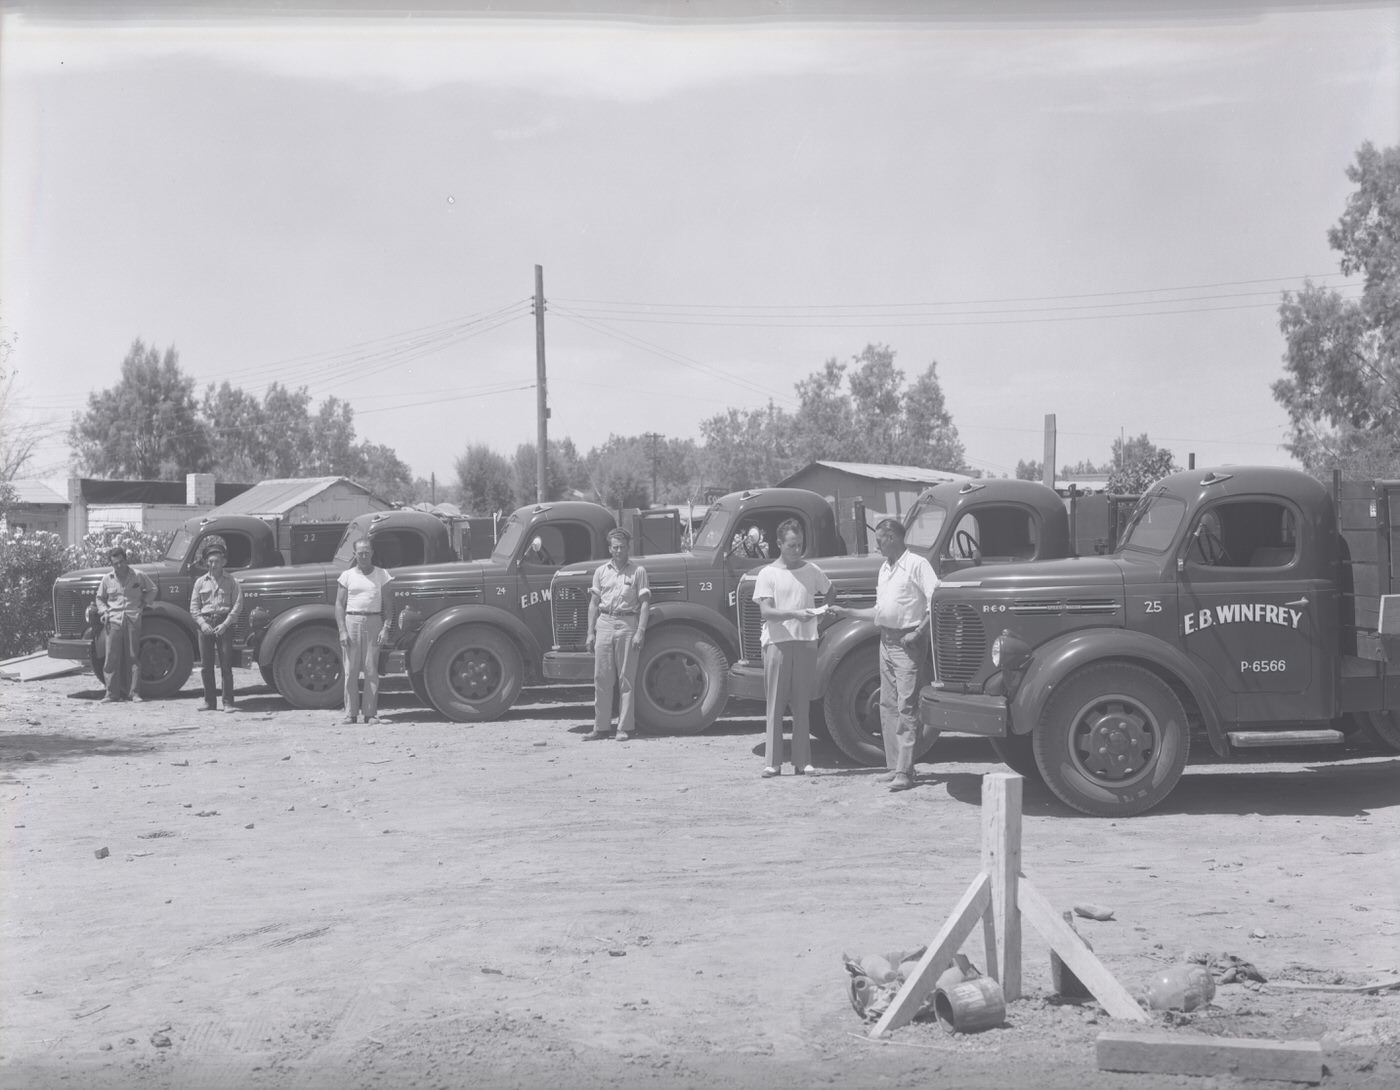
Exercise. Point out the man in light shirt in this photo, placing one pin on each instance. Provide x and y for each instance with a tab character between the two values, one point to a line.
215	601
619	603
363	616
903	600
121	596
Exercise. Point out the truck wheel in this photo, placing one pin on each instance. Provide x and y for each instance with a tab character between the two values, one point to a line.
1384	727
269	678
1113	741
473	674
851	708
307	668
1017	752
420	688
167	657
681	686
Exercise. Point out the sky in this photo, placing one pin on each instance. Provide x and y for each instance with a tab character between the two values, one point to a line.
1071	214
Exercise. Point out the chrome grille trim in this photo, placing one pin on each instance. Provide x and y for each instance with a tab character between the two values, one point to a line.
569	610
960	642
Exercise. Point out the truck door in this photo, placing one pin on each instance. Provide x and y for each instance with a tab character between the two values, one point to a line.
998	533
543	550
1253	612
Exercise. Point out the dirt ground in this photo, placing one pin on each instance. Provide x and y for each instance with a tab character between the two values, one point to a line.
290	902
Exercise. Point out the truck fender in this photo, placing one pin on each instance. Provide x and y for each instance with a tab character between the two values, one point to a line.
841	639
284	624
447	619
1055	660
177	615
697	616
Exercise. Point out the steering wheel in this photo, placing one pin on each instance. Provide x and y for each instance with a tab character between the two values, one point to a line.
967	545
1213	551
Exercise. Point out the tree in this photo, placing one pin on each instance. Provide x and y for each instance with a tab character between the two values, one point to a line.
1138	464
1028	471
619	472
1342	356
483	481
383	472
929	437
563	471
147	426
750	448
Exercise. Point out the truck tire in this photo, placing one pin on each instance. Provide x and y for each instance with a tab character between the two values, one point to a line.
1112	741
851	708
473	674
1017	752
167	657
269	678
1383	727
307	669
420	688
681	683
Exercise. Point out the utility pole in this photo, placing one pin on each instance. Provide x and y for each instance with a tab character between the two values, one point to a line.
653	436
541	393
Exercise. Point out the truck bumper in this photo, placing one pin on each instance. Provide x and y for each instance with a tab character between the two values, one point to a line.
963	713
79	648
568	665
746	681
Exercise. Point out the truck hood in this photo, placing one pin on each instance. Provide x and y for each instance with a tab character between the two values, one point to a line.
667	566
93	576
445	578
277	582
1078	572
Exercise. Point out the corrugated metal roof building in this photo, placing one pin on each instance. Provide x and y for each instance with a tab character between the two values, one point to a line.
304	499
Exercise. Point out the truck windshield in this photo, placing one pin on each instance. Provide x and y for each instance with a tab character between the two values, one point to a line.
179	546
923	525
1153	524
714	531
509	539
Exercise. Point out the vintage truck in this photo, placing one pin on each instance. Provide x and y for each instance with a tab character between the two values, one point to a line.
1251	606
169	640
471	635
955	525
691	636
289	612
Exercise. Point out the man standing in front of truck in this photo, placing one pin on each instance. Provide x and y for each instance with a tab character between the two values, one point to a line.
363	616
121	596
619	601
903	600
215	601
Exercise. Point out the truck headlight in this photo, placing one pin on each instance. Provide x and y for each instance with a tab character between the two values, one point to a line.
259	619
1009	652
410	620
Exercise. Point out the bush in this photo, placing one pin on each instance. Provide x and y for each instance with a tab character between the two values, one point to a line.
31	561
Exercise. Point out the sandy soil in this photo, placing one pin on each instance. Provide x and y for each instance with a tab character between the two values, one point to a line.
290	902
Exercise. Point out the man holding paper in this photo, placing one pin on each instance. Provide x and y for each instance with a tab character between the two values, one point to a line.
786	593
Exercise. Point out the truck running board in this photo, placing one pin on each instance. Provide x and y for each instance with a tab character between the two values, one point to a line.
1253	739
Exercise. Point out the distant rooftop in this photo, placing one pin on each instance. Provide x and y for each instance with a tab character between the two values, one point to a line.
876	471
33	491
280	495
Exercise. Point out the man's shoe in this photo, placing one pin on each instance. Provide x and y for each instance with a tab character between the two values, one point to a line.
901	783
886	777
208	708
596	736
622	736
769	772
373	720
348	719
110	700
230	706
807	770
137	698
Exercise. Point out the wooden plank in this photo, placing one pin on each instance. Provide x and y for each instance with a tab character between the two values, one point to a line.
1353	989
1088	968
1363	545
937	957
1001	860
1181	1054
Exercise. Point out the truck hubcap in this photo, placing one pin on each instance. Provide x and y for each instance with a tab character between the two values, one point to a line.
318	669
474	674
157	660
675	682
1113	740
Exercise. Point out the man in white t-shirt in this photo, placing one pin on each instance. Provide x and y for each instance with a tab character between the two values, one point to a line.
363	615
786	593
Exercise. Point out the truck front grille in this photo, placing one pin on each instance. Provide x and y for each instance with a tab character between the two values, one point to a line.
569	604
70	602
959	642
750	625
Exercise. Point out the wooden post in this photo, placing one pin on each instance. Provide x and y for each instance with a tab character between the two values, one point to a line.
1001	860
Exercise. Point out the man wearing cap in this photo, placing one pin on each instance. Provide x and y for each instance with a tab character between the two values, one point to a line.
363	615
121	596
618	603
214	604
903	598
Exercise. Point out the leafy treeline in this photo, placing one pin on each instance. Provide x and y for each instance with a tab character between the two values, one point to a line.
152	426
1342	363
1132	466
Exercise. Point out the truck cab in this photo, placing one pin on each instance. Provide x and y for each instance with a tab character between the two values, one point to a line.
691	635
956	526
286	627
1238	608
471	635
169	637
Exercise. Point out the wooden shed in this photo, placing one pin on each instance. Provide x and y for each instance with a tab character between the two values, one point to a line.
884	489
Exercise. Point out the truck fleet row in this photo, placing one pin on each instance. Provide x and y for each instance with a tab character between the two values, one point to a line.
1247	606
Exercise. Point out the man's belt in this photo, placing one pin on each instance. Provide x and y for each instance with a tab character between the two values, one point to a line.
364	613
895	635
218	616
618	612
